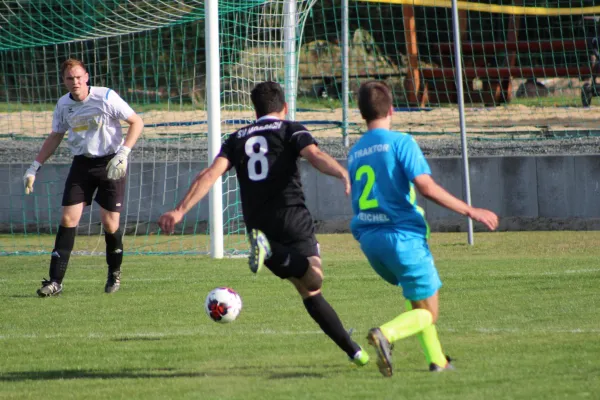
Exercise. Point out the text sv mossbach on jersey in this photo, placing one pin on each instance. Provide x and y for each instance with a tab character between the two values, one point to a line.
248	131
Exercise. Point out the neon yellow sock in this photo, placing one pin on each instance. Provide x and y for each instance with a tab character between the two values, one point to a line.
431	346
430	343
406	324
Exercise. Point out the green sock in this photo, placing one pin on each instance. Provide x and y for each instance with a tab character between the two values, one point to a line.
406	324
430	343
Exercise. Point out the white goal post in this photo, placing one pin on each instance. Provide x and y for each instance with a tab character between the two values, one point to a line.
291	22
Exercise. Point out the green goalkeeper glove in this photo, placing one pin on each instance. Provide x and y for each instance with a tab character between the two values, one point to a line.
117	166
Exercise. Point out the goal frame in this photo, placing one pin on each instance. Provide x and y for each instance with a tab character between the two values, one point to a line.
290	35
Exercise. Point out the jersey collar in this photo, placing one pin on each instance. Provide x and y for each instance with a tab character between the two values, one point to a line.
378	130
86	97
267	118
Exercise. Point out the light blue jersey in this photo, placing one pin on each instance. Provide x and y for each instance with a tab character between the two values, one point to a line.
382	166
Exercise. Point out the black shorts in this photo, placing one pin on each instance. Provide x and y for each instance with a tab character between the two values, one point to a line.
88	174
292	227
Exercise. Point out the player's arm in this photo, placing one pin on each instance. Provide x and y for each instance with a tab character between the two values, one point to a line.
48	148
199	188
326	164
136	125
117	166
434	192
118	109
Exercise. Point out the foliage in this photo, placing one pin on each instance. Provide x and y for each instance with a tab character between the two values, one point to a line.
166	60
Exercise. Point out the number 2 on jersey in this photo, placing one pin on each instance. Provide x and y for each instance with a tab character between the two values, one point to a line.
364	203
257	157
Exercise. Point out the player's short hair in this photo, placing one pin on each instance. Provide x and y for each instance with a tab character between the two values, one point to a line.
267	97
374	100
71	63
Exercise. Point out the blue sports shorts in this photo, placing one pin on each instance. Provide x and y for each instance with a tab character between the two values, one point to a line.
407	263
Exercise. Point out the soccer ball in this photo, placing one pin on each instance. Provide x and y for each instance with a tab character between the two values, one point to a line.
223	305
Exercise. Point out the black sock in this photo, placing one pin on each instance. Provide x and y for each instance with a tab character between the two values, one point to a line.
324	315
63	246
114	250
296	264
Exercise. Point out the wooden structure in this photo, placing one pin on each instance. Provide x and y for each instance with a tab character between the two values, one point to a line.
493	63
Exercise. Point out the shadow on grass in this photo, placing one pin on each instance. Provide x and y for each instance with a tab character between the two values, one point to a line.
163	373
91	374
452	245
137	338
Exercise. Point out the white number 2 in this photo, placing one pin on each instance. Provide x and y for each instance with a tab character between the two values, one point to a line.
257	157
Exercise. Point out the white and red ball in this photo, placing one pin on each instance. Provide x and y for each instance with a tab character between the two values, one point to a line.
223	305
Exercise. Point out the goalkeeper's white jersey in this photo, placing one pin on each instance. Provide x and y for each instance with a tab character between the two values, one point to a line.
94	124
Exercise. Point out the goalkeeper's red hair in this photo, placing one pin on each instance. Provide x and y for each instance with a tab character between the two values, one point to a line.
71	63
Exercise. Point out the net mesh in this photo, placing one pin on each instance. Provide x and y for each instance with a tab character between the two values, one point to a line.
529	74
527	65
153	54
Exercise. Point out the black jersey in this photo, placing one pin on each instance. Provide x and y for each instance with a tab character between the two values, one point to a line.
265	156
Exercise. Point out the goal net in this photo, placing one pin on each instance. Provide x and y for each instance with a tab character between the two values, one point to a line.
528	66
153	54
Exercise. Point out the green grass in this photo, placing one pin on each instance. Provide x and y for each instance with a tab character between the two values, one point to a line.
304	102
138	107
554	100
520	312
11	107
317	103
549	101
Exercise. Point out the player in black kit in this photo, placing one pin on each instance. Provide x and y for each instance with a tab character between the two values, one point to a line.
280	228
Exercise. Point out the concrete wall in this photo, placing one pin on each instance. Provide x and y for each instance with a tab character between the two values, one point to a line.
529	193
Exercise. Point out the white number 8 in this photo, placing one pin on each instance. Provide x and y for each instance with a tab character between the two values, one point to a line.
257	157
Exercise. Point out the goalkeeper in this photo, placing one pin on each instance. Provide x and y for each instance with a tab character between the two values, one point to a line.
91	115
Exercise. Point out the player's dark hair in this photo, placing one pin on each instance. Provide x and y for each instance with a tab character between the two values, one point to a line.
374	100
267	97
71	63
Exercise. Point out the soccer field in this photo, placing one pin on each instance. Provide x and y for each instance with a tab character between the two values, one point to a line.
520	314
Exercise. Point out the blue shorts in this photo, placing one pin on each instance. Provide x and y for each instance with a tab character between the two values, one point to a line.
407	263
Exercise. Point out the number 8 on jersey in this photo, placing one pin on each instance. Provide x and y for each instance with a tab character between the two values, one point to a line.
256	149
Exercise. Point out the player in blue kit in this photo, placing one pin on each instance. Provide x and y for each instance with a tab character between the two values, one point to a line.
385	167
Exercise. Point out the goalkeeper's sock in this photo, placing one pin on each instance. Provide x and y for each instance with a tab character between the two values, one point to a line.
114	250
324	315
406	324
63	246
430	343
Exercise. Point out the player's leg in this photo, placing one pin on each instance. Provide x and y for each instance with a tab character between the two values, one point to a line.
309	287
419	319
305	273
408	323
293	254
76	195
282	227
375	337
260	250
110	197
410	265
61	253
114	249
428	337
